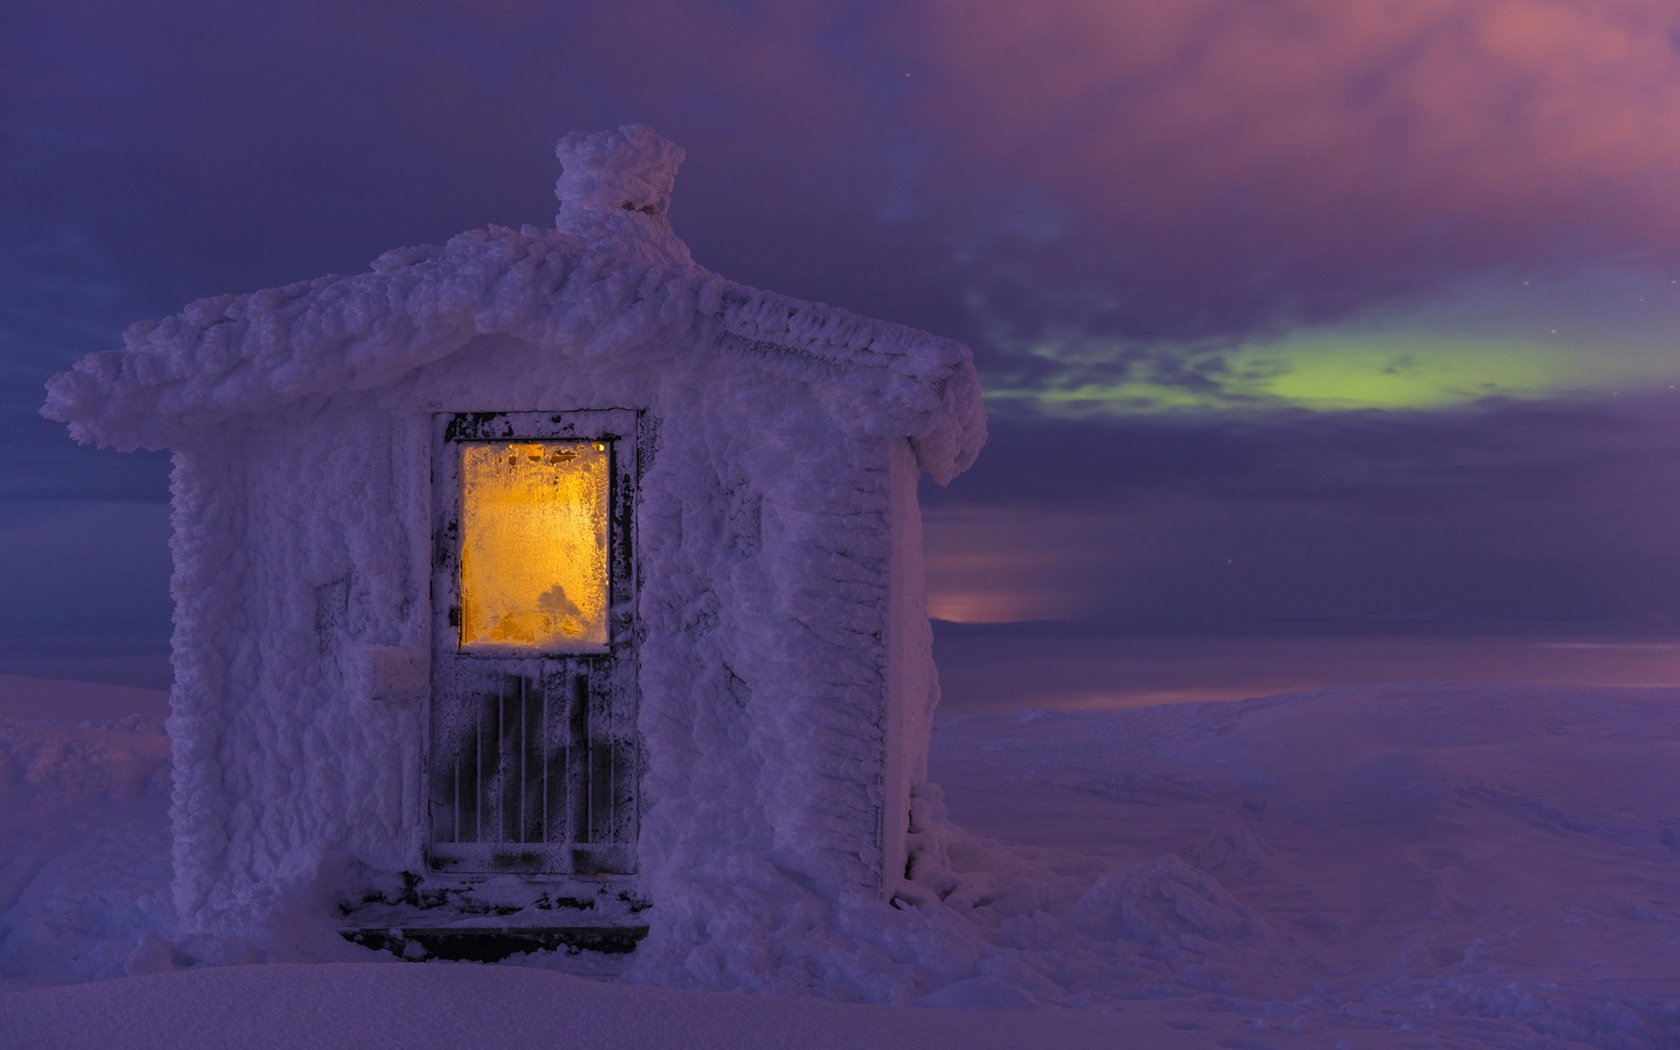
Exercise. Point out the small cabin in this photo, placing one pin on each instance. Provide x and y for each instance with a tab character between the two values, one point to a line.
535	579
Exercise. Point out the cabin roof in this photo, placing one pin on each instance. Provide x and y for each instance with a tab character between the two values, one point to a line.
609	281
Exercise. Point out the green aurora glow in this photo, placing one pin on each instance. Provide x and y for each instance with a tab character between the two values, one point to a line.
1329	372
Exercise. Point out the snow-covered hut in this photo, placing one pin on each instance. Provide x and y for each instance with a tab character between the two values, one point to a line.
541	567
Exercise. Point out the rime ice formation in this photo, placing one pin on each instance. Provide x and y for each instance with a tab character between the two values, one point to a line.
785	675
615	188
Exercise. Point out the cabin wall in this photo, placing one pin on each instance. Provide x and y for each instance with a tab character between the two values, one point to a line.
768	539
208	587
912	678
286	759
767	560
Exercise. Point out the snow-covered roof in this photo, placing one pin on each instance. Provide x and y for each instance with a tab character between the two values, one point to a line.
610	278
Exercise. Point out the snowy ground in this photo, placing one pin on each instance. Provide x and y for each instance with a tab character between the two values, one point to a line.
1385	866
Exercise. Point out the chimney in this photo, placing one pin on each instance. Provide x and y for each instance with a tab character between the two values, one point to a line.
615	189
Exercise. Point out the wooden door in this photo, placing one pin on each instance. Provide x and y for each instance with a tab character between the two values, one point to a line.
532	757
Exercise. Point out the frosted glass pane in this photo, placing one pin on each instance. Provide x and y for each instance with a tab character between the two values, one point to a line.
534	545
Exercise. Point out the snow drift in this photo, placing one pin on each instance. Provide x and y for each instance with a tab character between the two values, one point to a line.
1374	866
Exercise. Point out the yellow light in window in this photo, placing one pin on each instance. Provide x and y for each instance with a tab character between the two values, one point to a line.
534	545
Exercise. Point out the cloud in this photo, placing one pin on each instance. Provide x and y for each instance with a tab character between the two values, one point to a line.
1164	175
1212	168
1088	191
1243	168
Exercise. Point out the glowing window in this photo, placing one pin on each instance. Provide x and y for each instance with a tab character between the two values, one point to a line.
534	545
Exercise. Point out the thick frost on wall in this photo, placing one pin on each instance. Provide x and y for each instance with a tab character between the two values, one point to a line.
282	759
912	680
766	544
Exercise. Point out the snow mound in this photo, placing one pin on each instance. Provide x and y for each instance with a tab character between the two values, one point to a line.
84	848
1166	903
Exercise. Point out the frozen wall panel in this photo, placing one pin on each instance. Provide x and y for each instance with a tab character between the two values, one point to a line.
912	681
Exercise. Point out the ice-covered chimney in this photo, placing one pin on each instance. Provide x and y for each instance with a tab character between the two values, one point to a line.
615	188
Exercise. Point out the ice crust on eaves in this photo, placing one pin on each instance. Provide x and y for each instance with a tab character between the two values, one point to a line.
233	355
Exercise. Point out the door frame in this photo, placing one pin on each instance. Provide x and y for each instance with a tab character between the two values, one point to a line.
598	686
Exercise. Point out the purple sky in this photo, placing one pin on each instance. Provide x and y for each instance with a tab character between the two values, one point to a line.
1293	316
